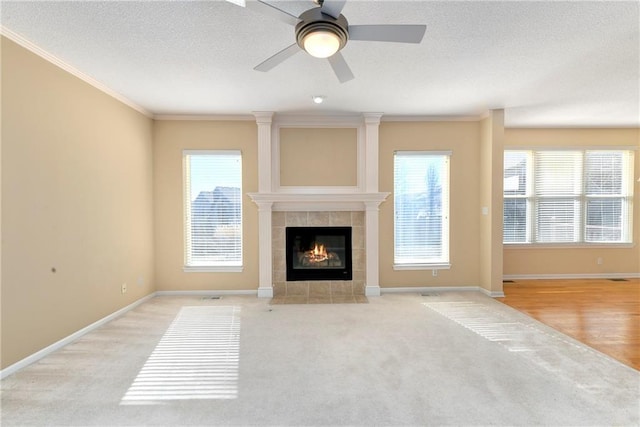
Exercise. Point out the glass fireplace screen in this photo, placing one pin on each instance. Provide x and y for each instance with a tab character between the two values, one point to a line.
318	253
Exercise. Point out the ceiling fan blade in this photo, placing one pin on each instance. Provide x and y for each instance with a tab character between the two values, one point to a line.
340	67
274	12
278	58
333	7
388	33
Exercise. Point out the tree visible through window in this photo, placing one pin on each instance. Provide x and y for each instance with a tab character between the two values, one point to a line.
516	190
213	208
421	208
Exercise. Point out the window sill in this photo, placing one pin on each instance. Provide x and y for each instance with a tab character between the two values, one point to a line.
434	266
569	246
212	269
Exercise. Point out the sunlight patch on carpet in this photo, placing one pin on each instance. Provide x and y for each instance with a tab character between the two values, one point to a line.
476	318
549	350
197	358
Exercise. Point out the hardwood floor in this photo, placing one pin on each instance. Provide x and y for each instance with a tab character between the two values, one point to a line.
600	313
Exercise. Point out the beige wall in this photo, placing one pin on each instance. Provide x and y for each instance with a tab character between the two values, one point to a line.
171	138
76	197
318	157
575	261
463	138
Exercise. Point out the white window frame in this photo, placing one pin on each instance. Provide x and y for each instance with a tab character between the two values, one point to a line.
582	198
443	262
189	265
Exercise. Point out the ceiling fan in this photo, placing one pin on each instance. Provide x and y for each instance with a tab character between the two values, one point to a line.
323	31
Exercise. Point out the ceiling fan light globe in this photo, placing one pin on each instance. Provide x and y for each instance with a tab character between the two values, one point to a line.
321	44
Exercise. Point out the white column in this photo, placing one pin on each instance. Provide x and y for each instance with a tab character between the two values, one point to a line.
372	285
264	119
265	263
371	123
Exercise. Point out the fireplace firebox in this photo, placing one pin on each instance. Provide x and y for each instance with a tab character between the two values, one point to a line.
318	253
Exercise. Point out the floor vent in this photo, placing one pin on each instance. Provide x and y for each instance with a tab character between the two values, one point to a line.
212	297
430	294
619	280
508	281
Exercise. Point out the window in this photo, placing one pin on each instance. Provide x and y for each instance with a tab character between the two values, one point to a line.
213	210
568	196
421	209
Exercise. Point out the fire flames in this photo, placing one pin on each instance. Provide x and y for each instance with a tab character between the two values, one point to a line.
318	257
317	254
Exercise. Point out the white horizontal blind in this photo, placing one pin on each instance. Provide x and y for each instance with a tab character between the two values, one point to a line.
213	208
558	187
608	196
421	208
568	196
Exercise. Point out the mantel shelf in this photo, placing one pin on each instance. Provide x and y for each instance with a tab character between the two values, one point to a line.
318	201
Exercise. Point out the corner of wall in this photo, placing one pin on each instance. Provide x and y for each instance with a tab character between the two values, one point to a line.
491	189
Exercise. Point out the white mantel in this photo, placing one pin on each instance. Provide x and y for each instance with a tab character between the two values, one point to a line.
319	201
363	197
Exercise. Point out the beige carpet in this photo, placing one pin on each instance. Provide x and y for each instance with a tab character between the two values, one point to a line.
446	359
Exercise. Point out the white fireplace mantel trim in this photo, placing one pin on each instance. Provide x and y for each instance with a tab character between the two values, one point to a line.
363	197
319	201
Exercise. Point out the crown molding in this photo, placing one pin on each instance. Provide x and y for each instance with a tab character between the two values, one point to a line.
337	119
551	126
30	46
206	117
426	118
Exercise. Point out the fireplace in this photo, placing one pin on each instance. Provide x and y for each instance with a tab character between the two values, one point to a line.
318	253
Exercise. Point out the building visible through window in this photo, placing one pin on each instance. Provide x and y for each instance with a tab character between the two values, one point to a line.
213	209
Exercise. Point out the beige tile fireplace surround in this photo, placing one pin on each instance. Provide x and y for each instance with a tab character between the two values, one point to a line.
326	290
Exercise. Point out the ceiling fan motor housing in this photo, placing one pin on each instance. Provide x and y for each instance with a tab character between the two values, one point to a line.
314	20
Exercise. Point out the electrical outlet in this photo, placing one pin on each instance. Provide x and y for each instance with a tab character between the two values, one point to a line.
435	273
123	289
599	261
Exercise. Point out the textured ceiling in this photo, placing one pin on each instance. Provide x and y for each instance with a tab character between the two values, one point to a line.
546	63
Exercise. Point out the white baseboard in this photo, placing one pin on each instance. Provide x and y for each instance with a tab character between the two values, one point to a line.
571	276
492	294
422	289
442	289
206	293
69	339
372	291
265	292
